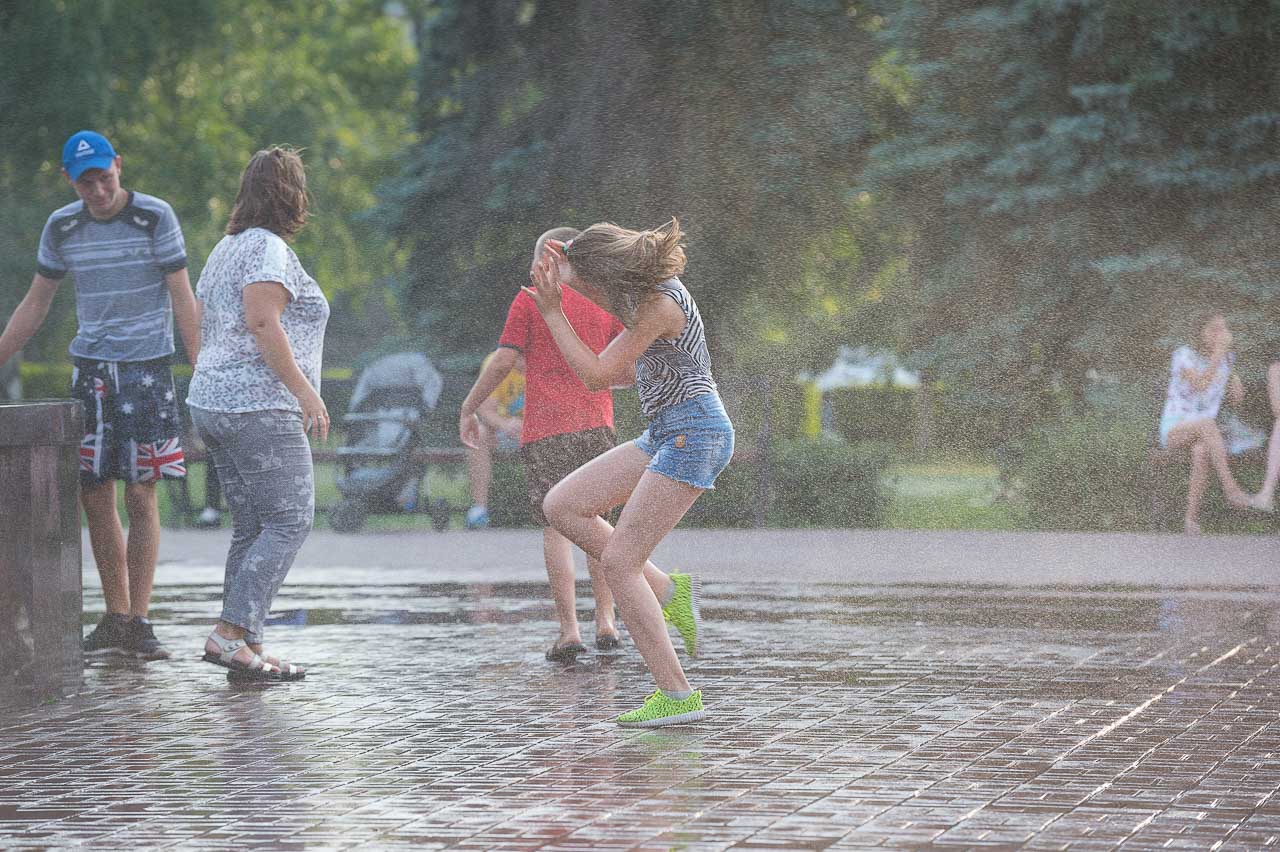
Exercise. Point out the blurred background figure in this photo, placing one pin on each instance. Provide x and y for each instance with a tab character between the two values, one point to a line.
501	418
1265	500
1200	376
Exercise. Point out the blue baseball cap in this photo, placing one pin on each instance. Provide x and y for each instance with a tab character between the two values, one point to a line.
87	150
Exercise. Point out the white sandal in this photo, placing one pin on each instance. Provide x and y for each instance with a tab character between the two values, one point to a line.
255	669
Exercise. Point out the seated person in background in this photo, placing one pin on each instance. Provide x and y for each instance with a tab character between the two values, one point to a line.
1199	377
501	419
1267	495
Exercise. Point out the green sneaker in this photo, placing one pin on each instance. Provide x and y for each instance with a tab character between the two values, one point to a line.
659	710
684	610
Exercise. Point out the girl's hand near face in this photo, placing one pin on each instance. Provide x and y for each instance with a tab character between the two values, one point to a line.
545	276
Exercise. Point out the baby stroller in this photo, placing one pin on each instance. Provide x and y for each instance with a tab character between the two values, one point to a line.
384	424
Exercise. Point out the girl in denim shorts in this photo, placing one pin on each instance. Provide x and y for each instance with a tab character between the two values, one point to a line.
658	476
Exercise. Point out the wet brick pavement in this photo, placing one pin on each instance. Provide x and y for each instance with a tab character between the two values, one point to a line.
843	715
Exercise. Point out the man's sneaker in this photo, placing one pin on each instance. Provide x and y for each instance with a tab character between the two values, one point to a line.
109	637
660	710
210	517
684	610
477	517
141	641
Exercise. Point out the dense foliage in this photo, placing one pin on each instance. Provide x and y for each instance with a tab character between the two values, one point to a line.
1011	194
748	123
1014	193
1075	178
187	92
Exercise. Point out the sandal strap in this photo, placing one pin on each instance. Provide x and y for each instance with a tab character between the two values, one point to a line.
227	648
259	664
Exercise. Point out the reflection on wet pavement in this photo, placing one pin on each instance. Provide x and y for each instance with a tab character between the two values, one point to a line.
841	716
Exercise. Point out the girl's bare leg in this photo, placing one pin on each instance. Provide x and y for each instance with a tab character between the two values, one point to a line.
592	490
558	553
1186	435
1266	497
1199	484
655	505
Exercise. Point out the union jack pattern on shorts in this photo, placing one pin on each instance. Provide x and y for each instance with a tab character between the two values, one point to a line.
132	425
154	461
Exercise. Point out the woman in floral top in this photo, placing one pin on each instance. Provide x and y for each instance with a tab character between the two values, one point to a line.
254	398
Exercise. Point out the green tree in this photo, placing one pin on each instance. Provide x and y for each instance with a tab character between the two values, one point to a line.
747	121
1071	179
188	98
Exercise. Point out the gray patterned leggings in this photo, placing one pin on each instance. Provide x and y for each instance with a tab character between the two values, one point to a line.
264	461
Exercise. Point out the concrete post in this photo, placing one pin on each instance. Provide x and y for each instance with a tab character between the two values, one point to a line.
40	581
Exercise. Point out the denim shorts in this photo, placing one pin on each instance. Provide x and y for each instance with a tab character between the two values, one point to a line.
690	442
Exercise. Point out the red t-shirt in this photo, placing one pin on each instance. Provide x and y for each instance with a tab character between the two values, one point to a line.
556	402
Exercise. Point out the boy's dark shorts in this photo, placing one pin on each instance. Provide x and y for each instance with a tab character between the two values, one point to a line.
132	428
551	459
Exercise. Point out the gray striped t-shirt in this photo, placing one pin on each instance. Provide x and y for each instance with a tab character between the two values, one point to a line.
123	307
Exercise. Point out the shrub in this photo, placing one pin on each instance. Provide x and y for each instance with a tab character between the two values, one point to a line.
733	501
829	484
45	381
879	413
1088	473
813	484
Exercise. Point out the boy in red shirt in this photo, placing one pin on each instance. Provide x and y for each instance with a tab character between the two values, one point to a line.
565	426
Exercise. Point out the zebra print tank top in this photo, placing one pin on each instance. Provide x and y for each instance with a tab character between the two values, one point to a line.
674	370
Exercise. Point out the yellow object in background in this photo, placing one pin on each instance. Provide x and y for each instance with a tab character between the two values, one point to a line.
812	410
510	393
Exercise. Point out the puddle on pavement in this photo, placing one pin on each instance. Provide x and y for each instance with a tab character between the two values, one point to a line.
1110	610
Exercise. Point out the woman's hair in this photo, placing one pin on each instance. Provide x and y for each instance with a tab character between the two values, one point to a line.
627	266
273	194
1195	327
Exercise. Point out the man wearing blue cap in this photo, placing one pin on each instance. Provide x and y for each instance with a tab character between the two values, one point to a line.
126	253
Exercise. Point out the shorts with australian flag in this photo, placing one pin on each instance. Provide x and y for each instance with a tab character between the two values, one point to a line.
132	428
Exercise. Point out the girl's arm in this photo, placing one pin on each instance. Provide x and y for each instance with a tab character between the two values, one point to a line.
1235	391
616	364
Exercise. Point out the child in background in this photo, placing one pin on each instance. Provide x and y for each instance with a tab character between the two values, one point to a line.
501	418
688	442
565	425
